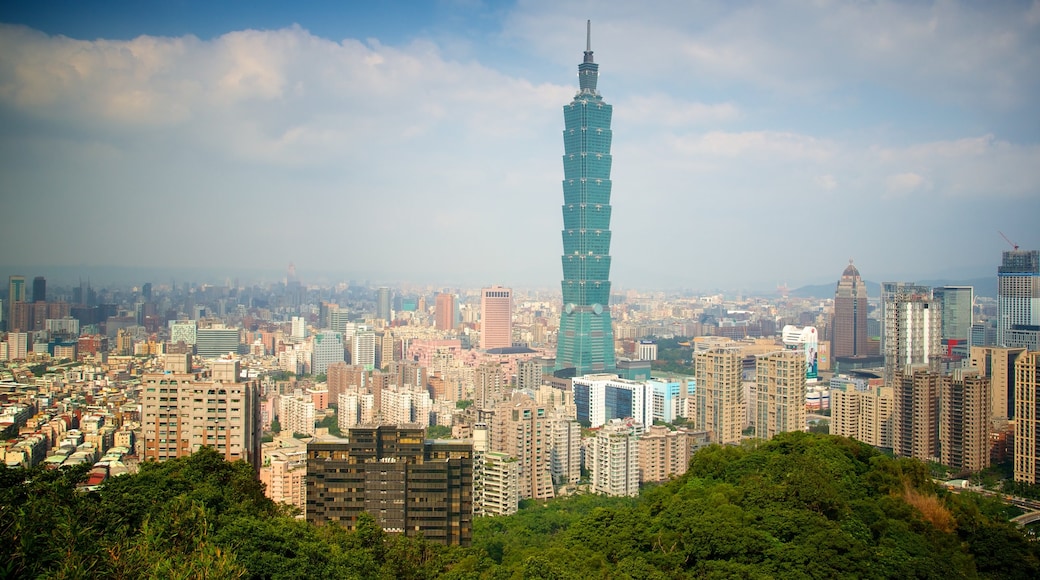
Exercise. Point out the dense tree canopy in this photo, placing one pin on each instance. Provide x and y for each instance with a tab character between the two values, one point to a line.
799	506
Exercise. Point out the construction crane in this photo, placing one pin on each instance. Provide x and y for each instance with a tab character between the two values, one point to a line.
1013	244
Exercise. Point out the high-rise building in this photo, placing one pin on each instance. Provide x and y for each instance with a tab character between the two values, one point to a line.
957	304
613	458
444	311
216	342
585	340
285	476
363	347
780	402
1018	299
849	331
410	485
663	453
997	364
181	412
964	420
384	301
1027	418
523	429
719	395
327	349
915	431
866	415
15	295
496	318
805	341
912	328
600	398
39	289
296	414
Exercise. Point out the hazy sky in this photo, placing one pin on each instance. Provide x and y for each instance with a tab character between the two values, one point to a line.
754	142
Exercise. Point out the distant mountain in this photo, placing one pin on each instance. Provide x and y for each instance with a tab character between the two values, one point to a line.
983	287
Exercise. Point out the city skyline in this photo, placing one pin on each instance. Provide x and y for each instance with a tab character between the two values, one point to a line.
266	135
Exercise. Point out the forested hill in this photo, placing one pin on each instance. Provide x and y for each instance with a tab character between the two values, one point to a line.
799	506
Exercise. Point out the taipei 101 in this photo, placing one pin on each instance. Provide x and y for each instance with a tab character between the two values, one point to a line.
338	290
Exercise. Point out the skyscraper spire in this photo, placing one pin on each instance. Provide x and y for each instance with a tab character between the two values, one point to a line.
588	41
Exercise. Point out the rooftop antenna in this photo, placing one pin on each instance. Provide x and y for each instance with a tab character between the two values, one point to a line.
588	36
1013	244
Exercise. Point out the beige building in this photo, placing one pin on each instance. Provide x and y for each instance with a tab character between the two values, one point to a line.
524	429
916	427
1027	417
284	476
719	407
181	412
866	416
663	453
612	458
964	419
997	363
780	393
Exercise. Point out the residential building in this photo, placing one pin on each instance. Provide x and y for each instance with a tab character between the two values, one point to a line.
864	415
719	398
496	478
284	476
410	485
585	340
915	431
663	453
997	364
780	393
964	420
613	458
523	429
181	412
326	349
1027	418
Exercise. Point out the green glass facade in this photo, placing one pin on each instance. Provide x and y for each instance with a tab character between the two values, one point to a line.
586	337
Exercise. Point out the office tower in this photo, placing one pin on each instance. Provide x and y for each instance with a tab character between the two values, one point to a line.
663	453
600	398
613	458
409	485
363	347
780	402
39	289
647	350
957	304
849	331
806	341
327	349
997	364
915	428
1018	299
216	342
444	311
384	301
523	429
15	295
146	291
585	340
912	325
181	412
719	396
496	318
1027	417
964	420
299	328
866	416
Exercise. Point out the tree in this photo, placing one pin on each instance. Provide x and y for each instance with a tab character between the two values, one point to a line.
276	425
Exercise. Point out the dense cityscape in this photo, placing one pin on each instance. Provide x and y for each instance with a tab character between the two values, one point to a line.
356	428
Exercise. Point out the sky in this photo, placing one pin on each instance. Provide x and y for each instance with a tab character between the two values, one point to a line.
755	143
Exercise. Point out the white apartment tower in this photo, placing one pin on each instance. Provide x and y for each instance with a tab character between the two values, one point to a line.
613	458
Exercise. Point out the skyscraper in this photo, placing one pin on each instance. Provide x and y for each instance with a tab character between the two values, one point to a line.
912	326
1018	299
496	318
585	341
39	289
1027	418
780	406
957	303
15	294
383	303
719	395
444	311
849	333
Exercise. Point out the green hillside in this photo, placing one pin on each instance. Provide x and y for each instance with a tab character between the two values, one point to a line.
799	506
